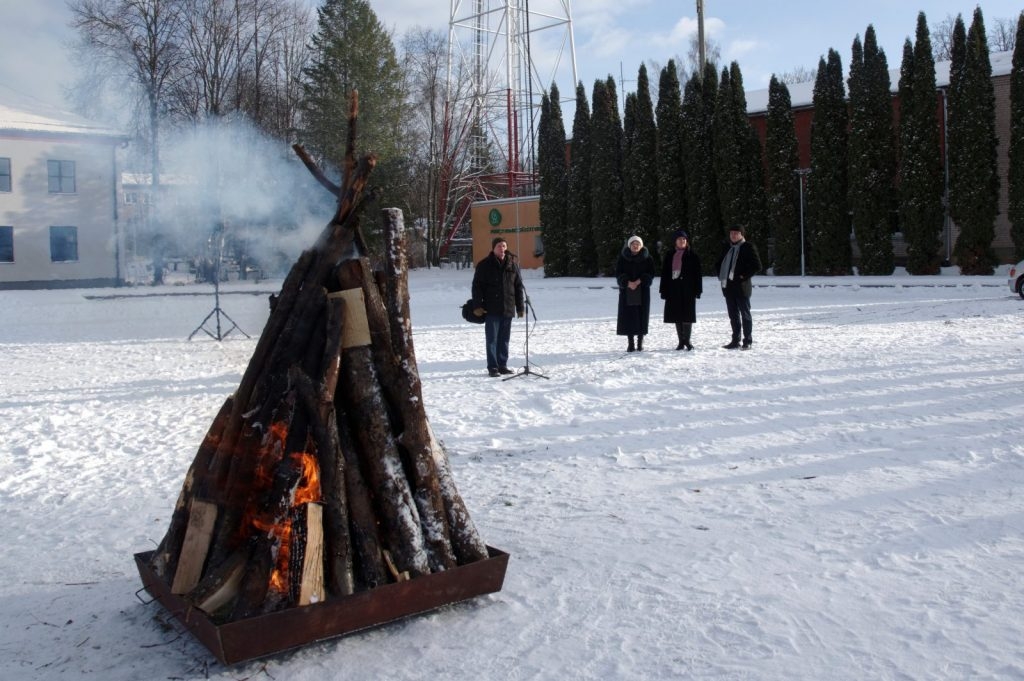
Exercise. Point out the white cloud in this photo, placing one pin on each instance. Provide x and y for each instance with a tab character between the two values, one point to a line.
738	48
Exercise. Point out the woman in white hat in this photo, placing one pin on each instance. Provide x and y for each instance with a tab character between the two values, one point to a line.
634	270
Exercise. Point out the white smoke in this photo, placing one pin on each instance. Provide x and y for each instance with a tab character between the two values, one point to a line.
226	178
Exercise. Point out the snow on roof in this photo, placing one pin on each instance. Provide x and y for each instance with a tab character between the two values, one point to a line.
23	114
129	178
802	94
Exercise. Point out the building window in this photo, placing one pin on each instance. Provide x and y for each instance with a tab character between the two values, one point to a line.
62	176
63	244
131	198
6	244
5	174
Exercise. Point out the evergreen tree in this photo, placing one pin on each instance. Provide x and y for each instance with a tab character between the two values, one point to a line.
703	214
554	183
1015	176
871	155
671	180
352	52
727	156
920	167
783	190
630	200
581	247
606	175
642	171
752	159
827	225
738	159
973	177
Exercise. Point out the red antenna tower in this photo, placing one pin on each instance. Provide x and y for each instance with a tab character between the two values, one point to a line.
502	57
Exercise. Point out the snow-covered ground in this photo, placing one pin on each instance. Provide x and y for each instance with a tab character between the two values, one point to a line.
843	502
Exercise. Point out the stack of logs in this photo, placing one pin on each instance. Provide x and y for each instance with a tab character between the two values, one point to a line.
320	475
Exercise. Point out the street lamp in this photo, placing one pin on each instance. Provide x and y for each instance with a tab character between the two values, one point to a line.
801	173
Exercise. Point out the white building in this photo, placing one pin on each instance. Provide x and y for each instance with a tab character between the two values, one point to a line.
59	188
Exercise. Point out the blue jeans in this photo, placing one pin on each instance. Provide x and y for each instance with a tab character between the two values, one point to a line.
739	315
497	330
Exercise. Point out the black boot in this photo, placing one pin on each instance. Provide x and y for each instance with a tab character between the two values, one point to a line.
630	347
684	330
639	343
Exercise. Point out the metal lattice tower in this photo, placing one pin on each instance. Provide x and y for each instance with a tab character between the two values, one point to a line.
502	57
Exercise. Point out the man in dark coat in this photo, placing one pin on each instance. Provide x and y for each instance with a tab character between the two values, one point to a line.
498	294
680	286
737	265
634	271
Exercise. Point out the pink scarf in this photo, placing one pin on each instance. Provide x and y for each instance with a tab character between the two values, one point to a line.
677	259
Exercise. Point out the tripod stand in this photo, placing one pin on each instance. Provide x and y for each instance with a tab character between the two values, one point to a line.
527	371
216	312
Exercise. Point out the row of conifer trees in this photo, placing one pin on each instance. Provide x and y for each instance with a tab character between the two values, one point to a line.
694	161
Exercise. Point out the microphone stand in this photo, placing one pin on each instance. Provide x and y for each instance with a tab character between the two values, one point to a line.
527	371
217	312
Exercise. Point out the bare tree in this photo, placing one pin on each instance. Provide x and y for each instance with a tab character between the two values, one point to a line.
450	158
270	86
268	20
138	41
1002	35
215	45
424	60
942	38
798	74
290	57
712	53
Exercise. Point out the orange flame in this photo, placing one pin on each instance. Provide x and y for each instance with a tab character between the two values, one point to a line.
307	490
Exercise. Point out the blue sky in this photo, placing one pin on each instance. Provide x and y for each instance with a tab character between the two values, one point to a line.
611	36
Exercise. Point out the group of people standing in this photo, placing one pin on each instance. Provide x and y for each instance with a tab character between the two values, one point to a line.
680	286
499	294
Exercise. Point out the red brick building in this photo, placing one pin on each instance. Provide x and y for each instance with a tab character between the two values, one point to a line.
801	95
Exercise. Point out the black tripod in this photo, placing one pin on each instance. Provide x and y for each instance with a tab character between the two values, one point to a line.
216	312
527	371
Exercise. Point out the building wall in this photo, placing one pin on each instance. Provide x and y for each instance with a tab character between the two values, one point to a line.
1002	244
31	210
517	220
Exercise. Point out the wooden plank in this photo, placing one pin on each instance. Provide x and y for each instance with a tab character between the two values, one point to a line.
220	588
312	588
201	518
355	330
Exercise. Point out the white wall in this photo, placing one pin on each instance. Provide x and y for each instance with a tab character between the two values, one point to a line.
31	209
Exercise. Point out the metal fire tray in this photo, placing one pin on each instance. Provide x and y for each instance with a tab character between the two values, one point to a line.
262	635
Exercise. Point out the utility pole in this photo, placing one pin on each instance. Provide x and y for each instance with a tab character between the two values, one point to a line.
701	49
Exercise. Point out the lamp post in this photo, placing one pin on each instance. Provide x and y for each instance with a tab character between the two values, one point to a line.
801	173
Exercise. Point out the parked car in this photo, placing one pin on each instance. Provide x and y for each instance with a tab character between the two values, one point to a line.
1016	280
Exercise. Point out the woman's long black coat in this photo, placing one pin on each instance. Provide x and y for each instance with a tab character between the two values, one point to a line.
633	320
680	295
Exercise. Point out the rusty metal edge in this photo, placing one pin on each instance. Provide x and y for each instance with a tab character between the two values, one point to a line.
277	632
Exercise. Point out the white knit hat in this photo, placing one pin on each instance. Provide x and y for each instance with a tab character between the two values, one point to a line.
630	240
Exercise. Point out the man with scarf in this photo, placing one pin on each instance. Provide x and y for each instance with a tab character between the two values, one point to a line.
738	263
498	293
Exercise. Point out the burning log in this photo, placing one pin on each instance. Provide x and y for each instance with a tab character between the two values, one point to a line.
320	477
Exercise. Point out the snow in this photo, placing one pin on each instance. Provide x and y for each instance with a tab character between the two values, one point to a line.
24	113
841	502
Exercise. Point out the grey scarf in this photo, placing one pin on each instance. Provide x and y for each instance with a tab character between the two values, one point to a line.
728	270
